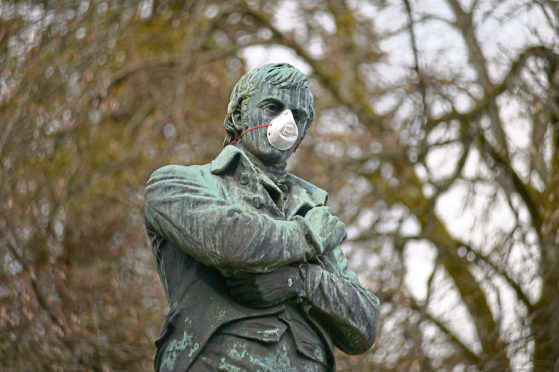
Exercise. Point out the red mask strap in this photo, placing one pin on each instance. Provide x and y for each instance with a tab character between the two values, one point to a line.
248	130
298	143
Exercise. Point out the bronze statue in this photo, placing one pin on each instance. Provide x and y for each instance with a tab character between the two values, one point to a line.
248	253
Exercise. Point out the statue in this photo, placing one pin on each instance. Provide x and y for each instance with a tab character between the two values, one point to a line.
248	254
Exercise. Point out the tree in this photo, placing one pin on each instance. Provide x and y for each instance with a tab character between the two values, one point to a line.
436	135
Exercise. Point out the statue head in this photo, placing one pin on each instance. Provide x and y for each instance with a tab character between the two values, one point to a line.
282	84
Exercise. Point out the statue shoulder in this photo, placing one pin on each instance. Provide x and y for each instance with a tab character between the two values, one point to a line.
173	171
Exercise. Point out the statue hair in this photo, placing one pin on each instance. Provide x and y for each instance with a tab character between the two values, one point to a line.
281	75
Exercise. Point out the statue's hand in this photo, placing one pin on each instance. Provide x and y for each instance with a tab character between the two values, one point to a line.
326	227
263	290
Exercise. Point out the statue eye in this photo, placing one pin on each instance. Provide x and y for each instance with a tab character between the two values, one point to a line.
272	108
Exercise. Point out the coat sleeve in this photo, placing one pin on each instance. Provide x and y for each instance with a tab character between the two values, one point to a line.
336	299
185	208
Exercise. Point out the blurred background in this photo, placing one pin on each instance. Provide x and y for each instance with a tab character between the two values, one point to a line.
437	137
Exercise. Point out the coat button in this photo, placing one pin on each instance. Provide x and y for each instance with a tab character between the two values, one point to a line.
244	178
257	202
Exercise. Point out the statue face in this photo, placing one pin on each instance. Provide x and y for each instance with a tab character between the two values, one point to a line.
261	108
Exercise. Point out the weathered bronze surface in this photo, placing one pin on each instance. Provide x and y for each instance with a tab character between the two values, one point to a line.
249	254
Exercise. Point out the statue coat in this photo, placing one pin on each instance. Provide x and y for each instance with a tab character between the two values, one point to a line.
206	222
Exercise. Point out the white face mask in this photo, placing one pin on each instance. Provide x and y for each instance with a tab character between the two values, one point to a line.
283	132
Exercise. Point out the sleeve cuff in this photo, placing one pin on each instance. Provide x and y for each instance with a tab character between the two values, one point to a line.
310	275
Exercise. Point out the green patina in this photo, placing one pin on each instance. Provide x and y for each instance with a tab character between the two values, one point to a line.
269	332
319	354
185	344
277	361
236	354
224	366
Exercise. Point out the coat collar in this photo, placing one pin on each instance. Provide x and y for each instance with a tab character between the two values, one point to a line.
234	159
228	157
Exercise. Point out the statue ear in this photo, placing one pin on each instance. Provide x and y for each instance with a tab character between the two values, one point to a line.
237	116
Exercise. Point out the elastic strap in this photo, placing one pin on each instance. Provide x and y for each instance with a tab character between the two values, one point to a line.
298	143
249	129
